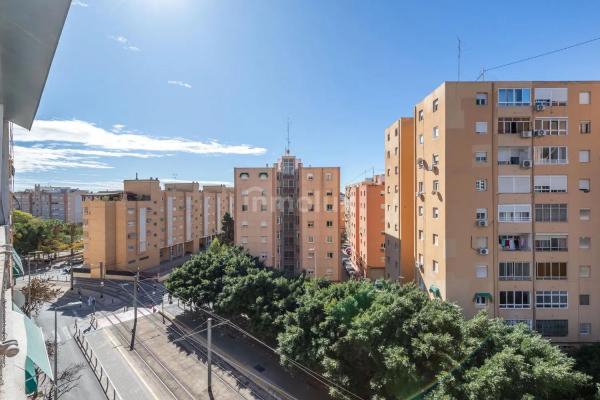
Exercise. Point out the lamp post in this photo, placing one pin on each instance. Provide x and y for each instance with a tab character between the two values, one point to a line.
101	289
72	304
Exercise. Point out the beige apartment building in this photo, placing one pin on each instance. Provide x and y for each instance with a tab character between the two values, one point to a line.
365	226
287	215
400	200
48	202
504	195
144	225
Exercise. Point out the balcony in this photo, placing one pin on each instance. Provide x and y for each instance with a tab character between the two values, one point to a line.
514	242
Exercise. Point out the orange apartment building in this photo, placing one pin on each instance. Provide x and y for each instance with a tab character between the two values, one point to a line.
400	201
287	215
504	175
144	225
365	226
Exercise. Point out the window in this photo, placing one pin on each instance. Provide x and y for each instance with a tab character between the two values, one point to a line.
396	151
585	271
436	212
552	327
551	96
481	214
551	299
584	299
513	322
481	127
552	126
420	210
551	213
263	224
551	270
244	176
310	177
244	207
550	183
481	185
328	176
584	97
130	223
550	155
420	115
421	139
514	184
435	159
311	224
584	185
420	187
244	239
481	242
420	234
263	239
584	214
514	212
513	155
481	156
551	242
311	239
329	239
515	125
481	99
436	132
481	271
585	127
329	207
436	239
585	328
244	224
388	172
514	299
514	242
480	300
584	242
329	224
584	156
514	97
263	176
435	266
329	254
514	271
436	186
131	211
436	105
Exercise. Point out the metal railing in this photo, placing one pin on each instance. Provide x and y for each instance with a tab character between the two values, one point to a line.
96	366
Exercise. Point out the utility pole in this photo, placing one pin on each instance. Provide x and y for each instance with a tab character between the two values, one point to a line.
135	284
459	54
209	353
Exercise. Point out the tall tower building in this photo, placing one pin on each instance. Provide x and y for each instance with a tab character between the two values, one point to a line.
287	215
505	196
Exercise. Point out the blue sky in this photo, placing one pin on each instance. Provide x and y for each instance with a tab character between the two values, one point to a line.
188	89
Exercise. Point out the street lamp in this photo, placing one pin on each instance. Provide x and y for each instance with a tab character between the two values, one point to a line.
101	289
71	304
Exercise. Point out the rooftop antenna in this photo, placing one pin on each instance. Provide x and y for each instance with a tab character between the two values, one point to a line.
459	54
287	149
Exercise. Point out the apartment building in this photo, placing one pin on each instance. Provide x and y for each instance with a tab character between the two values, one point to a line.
48	202
287	215
145	225
400	200
217	200
365	226
505	196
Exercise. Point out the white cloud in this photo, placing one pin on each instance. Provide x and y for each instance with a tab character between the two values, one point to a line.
125	42
180	83
89	135
36	159
79	3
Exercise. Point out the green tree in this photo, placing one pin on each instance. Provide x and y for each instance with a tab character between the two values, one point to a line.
227	227
587	360
37	293
510	362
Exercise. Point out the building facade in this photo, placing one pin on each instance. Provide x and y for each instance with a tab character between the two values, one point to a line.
505	196
48	202
144	225
400	200
365	226
287	215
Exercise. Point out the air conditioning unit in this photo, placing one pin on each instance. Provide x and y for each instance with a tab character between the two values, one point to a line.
526	134
434	192
418	194
482	222
526	164
418	264
420	163
539	107
483	251
540	132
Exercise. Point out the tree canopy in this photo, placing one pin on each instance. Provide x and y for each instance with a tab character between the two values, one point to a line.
379	340
227	227
47	235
